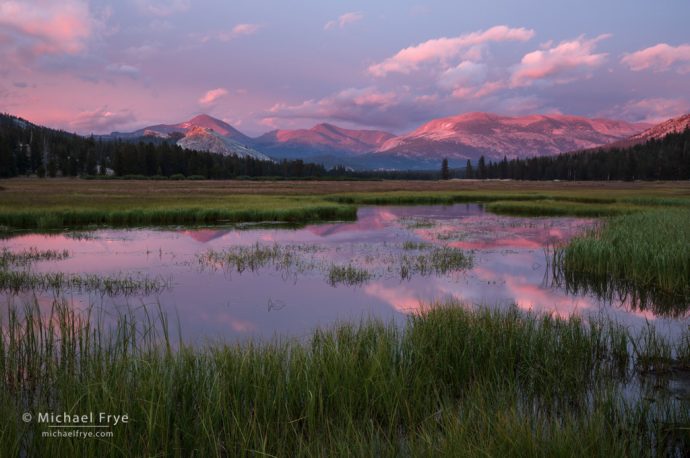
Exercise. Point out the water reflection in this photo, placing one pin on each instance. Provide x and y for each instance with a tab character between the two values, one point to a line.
509	266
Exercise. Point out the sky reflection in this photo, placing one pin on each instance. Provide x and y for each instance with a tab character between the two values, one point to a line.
510	268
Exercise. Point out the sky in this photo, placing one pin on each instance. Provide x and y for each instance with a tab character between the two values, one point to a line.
96	66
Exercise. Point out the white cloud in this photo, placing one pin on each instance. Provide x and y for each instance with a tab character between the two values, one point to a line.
123	69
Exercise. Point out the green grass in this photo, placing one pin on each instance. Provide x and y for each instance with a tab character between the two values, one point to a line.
57	218
644	257
552	207
25	258
285	258
58	204
303	258
16	276
436	261
348	275
450	382
18	281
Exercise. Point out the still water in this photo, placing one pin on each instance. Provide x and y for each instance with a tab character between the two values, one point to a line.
509	267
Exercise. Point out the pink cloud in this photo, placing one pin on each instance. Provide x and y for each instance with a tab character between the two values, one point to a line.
344	20
466	73
661	57
41	27
353	104
559	64
443	49
652	110
213	96
101	120
403	299
238	31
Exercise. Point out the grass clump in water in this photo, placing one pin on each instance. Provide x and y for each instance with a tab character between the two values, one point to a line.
24	258
643	257
492	383
258	256
410	245
438	261
348	275
110	285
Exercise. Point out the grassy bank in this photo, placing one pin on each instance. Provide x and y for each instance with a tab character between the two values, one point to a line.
642	257
451	382
152	215
59	203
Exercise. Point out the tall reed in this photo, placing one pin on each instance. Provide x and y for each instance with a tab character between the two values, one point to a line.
451	381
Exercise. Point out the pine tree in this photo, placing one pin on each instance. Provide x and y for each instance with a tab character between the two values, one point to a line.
481	169
445	171
469	173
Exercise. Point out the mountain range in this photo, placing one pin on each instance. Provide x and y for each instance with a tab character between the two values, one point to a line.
459	138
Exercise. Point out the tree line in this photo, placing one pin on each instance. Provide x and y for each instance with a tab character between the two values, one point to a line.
667	158
27	149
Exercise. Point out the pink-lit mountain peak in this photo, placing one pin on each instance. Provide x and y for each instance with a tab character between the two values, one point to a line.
673	125
656	132
209	122
470	135
329	137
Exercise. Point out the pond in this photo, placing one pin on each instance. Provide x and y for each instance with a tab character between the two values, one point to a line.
251	282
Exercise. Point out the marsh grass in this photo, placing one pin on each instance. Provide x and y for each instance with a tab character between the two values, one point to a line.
292	260
59	204
451	381
641	258
562	207
258	256
348	275
437	261
417	223
24	258
411	245
56	218
109	285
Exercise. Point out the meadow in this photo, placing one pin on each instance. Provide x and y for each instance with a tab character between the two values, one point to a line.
55	204
454	380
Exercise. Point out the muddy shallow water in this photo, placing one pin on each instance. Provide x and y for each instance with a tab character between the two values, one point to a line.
509	265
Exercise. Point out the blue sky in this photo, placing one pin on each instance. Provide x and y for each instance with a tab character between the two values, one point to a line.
98	66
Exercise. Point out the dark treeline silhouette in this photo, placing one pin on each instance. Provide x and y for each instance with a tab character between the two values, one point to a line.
663	159
27	149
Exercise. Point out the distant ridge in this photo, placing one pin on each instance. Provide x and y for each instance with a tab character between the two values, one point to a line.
459	138
471	135
670	126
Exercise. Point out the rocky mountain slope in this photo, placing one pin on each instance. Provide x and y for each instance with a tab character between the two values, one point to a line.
670	126
471	135
206	139
321	139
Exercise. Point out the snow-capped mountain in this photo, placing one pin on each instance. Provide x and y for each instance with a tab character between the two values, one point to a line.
471	135
199	138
